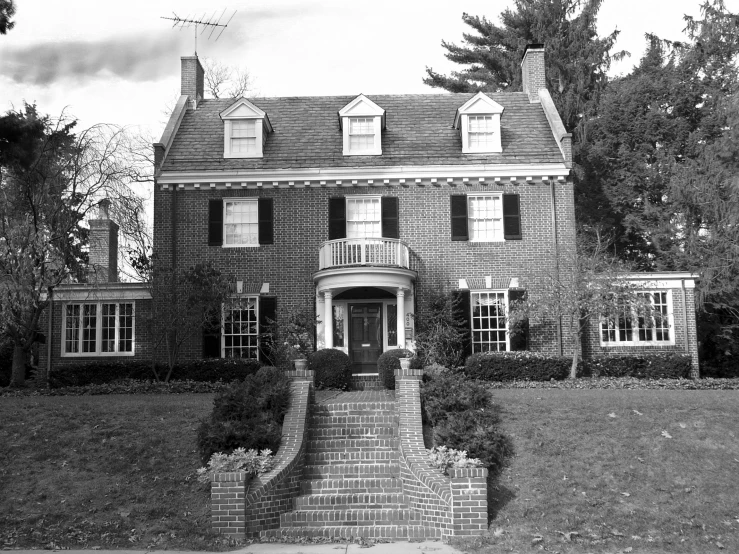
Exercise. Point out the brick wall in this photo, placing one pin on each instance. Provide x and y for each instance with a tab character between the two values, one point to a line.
457	505
301	225
686	340
142	346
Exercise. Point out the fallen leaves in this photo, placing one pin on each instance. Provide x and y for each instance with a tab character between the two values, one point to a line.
568	535
666	435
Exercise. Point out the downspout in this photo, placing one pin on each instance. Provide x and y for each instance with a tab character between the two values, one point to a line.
556	260
685	319
49	336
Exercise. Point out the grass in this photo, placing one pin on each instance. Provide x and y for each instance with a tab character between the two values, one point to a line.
111	471
617	471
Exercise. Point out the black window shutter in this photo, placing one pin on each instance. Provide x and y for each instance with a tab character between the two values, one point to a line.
511	217
519	333
266	222
212	336
267	316
461	306
215	222
458	211
336	218
390	220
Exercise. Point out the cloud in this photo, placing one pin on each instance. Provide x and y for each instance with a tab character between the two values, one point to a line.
137	57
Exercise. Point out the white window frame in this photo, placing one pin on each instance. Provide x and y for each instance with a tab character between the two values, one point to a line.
363	197
362	108
635	326
505	293
224	310
226	201
228	136
479	105
499	197
99	330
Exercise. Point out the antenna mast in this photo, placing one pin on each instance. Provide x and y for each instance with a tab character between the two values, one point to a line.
211	22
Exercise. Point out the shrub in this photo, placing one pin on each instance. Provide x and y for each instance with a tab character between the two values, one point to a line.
444	458
507	366
389	361
100	372
249	461
247	415
663	365
464	417
440	332
332	367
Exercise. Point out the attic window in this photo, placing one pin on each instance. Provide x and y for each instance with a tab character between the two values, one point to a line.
361	122
245	130
478	121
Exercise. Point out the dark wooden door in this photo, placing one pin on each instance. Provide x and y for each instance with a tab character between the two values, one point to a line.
365	336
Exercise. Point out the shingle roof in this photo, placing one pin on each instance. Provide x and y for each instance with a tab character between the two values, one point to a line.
418	132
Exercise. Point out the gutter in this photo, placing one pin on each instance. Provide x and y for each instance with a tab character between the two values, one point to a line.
555	244
49	335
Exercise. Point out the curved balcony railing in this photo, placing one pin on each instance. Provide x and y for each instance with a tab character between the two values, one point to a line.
363	251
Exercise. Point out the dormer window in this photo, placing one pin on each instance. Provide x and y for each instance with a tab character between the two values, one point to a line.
361	122
478	121
245	129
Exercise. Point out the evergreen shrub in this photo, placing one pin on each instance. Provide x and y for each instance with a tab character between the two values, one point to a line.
247	415
332	369
522	366
389	361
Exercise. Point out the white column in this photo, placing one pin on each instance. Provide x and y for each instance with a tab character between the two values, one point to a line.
320	327
328	323
401	318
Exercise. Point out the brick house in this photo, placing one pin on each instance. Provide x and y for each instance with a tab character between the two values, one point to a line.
362	207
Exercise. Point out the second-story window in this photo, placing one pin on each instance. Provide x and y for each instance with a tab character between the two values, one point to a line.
485	218
363	217
490	217
241	223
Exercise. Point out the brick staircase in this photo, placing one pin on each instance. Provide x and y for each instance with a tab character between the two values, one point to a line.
351	484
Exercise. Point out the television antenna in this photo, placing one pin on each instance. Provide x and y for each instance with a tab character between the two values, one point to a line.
204	24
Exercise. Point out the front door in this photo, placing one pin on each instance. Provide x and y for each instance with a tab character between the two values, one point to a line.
365	336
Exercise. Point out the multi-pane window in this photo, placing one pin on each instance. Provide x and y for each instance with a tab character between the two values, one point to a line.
241	223
339	317
480	132
647	323
244	136
105	328
489	323
485	218
363	217
240	329
361	134
392	325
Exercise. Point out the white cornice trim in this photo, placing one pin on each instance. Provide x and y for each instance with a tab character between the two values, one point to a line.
365	176
102	291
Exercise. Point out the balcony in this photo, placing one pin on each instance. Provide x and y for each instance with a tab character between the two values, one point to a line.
363	251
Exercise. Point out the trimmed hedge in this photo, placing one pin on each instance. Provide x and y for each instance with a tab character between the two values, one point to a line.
104	371
389	361
521	366
246	414
332	367
663	365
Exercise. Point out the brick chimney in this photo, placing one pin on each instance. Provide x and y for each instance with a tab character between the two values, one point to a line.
192	78
103	266
532	71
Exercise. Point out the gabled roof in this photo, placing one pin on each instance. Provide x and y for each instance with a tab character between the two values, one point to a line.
359	107
419	131
479	104
242	108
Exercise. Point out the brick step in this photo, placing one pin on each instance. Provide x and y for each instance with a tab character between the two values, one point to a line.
353	420
375	455
355	408
364	531
350	471
358	500
354	432
352	485
319	518
366	444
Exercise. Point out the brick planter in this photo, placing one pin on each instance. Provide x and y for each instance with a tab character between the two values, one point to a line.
227	493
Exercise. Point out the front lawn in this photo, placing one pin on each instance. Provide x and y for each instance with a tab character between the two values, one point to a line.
114	471
640	471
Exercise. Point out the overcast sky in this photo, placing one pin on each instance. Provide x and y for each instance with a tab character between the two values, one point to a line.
118	62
